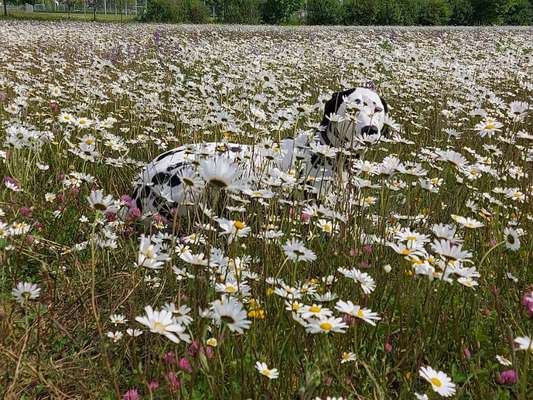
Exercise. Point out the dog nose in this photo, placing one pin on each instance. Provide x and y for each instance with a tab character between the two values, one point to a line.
370	130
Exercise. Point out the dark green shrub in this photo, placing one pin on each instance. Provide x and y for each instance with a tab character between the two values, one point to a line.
360	12
198	12
240	12
435	12
324	12
280	11
520	12
461	12
164	11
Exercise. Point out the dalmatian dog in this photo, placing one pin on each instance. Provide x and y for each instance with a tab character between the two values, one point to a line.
174	181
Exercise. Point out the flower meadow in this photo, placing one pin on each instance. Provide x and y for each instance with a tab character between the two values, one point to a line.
409	279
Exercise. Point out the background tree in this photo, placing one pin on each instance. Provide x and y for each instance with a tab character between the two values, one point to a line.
361	12
324	12
241	12
389	12
435	12
279	11
462	12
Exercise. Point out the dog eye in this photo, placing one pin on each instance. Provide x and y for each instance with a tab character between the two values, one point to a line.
357	101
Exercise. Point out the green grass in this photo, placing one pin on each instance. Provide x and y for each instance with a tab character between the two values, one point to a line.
59	16
163	87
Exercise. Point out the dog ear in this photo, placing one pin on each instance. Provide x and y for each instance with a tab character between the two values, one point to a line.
333	104
385	105
385	131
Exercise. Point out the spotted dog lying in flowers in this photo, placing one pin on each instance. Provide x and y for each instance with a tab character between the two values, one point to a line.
175	180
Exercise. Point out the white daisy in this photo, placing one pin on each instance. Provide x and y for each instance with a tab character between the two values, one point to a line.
25	291
231	312
163	322
440	382
264	370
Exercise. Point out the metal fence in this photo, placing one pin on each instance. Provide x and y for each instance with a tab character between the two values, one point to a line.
114	7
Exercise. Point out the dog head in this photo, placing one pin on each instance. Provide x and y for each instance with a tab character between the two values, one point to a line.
355	117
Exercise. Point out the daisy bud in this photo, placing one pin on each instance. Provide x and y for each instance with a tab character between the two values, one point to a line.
388	346
507	377
185	365
387	268
29	239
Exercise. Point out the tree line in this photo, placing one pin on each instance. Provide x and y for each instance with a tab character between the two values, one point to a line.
343	12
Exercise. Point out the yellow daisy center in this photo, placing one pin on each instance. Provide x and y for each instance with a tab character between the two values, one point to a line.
158	327
314	309
326	326
436	382
239	225
360	313
150	252
231	289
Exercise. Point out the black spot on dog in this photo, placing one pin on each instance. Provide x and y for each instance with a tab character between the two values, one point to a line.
146	191
168	153
160	178
174	167
175	181
331	107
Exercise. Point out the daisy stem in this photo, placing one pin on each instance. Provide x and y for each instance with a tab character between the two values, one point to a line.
488	252
524	377
97	317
